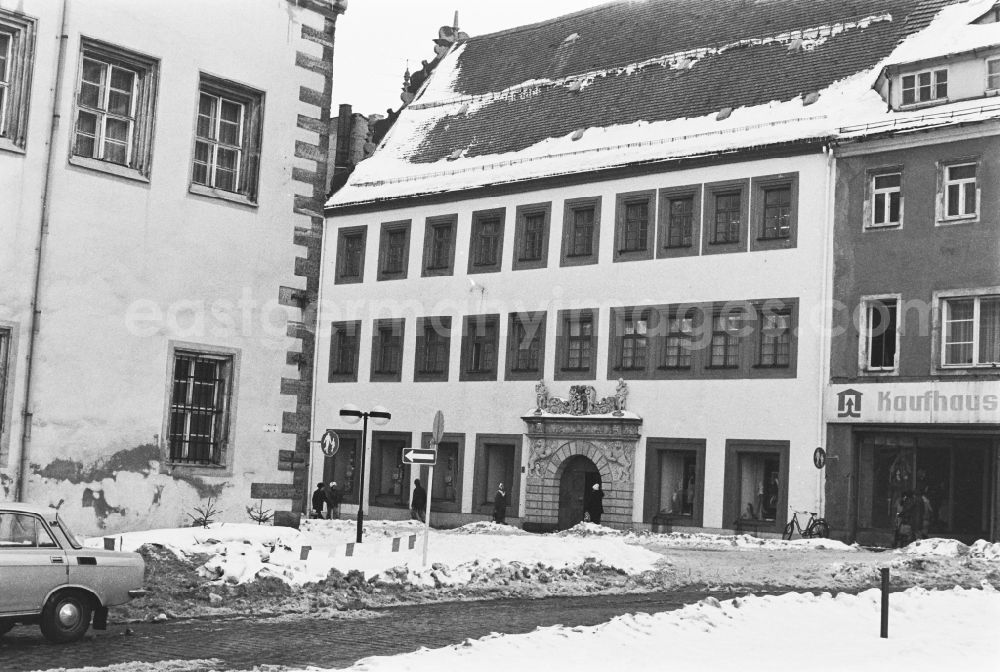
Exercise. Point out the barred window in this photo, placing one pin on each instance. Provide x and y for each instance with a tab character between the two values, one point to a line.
200	406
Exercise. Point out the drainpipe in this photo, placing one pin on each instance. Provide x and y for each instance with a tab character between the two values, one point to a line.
43	232
825	321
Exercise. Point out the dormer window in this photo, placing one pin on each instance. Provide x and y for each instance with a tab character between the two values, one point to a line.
993	74
925	86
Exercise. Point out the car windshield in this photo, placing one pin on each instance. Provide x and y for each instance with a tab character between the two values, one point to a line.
69	534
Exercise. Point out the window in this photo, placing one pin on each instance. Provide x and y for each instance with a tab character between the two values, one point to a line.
674	481
755	494
680	218
727	215
498	460
531	239
387	350
887	199
23	530
726	226
677	345
227	140
634	344
633	225
925	86
577	345
725	345
525	346
993	74
445	490
775	338
433	349
486	243
439	246
971	328
200	410
480	341
394	250
679	221
115	108
344	349
388	483
880	334
17	39
581	231
344	466
775	211
961	197
351	255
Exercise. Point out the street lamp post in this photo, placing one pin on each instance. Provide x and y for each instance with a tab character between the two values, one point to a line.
351	414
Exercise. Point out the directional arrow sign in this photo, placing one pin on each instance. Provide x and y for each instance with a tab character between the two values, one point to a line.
419	456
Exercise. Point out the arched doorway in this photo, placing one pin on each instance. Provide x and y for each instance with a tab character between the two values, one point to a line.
578	475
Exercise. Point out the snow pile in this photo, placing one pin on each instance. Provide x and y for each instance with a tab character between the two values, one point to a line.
944	630
488	527
952	549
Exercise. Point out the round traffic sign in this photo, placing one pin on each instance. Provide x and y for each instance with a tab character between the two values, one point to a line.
438	432
819	458
330	443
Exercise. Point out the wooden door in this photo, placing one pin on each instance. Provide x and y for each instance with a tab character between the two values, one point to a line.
572	488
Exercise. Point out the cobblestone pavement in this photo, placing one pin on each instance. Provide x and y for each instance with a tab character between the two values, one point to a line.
241	643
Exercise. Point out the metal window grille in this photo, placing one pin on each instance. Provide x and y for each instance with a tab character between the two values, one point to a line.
582	232
526	347
106	111
775	340
881	336
777	212
578	343
635	227
634	343
725	340
727	218
220	142
487	242
680	217
534	236
199	408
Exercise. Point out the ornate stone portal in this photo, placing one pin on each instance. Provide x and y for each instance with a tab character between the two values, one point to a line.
602	431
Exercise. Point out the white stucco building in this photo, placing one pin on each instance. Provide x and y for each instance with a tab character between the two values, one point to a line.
162	167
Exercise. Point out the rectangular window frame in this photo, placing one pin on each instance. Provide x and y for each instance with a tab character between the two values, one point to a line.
866	304
533	324
654	447
388	349
439	261
15	86
486	252
570	256
248	173
564	340
230	357
712	191
913	86
666	247
140	119
344	272
521	236
453	505
872	207
670	329
387	271
635	241
944	192
732	506
625	342
941	321
992	75
480	338
482	491
427	367
761	186
345	348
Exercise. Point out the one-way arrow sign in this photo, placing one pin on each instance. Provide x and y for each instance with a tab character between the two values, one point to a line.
419	456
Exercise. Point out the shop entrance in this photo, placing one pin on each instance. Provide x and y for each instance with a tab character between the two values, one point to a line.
579	475
951	475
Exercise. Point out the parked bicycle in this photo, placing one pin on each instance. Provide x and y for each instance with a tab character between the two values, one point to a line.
815	527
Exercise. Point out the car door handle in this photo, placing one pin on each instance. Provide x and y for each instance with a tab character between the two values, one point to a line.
56	559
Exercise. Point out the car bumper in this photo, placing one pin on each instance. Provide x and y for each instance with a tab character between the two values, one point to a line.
134	594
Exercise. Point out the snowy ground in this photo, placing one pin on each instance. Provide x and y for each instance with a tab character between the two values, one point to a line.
944	629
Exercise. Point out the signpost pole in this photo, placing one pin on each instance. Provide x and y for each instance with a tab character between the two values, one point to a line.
427	513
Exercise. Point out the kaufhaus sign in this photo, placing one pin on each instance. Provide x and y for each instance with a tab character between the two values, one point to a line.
917	403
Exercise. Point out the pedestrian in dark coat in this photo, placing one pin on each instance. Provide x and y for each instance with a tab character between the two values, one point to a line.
500	505
419	501
333	498
319	499
593	503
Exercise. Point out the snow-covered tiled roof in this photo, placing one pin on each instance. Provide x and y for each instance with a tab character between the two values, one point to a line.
632	82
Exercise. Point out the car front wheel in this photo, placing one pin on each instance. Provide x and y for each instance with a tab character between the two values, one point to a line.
66	616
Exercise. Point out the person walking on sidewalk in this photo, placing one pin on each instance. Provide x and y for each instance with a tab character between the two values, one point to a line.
500	506
593	504
333	498
419	501
319	499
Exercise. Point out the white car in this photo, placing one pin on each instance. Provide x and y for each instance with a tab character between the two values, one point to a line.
47	577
